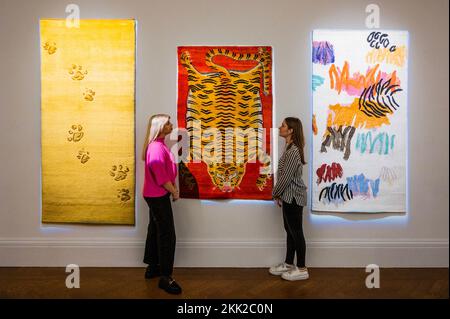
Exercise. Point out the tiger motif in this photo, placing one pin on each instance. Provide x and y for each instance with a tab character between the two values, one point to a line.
228	99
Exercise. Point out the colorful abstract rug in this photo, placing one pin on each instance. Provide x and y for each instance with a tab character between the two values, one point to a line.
360	136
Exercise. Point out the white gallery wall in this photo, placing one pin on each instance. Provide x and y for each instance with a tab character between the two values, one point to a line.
233	233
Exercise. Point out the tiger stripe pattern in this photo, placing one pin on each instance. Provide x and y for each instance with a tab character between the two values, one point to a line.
227	103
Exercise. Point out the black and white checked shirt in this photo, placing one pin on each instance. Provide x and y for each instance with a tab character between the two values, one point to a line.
289	183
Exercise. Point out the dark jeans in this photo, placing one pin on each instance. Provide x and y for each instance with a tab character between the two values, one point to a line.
161	239
295	242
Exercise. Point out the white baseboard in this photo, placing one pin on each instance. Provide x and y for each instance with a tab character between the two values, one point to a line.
113	252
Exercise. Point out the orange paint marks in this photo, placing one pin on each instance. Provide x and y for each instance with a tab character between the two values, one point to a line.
351	116
398	57
314	124
355	84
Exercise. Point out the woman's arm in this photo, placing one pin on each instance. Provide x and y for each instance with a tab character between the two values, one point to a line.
157	164
171	188
287	173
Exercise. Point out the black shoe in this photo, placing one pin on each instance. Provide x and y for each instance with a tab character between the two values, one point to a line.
169	285
152	272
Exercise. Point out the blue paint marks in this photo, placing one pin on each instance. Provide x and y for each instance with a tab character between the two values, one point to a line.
381	144
360	185
375	186
317	80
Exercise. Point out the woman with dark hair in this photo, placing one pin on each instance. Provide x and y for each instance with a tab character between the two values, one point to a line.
159	185
290	193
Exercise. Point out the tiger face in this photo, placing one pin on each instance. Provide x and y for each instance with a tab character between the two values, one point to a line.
226	176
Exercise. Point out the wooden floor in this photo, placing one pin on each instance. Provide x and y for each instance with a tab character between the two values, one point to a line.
239	283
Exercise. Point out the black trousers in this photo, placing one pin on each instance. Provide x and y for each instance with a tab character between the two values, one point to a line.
161	239
295	241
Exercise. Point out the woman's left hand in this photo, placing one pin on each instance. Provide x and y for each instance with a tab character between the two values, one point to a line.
175	195
278	201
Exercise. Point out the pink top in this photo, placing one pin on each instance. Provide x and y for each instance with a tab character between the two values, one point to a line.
160	168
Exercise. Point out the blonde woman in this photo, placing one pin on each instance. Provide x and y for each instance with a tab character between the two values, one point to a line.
290	193
159	185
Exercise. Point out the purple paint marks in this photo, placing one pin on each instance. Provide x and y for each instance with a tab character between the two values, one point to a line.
322	52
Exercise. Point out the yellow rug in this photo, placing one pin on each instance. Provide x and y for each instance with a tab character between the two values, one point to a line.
87	121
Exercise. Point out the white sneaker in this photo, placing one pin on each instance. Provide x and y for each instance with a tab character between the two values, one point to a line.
295	274
280	269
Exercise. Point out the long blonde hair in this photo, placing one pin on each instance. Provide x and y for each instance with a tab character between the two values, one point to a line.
154	128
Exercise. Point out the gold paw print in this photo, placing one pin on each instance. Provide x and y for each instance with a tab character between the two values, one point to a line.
119	172
77	72
89	95
124	194
76	133
50	47
83	156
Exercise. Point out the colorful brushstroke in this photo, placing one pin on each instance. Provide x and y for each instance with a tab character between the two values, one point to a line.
322	52
317	81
